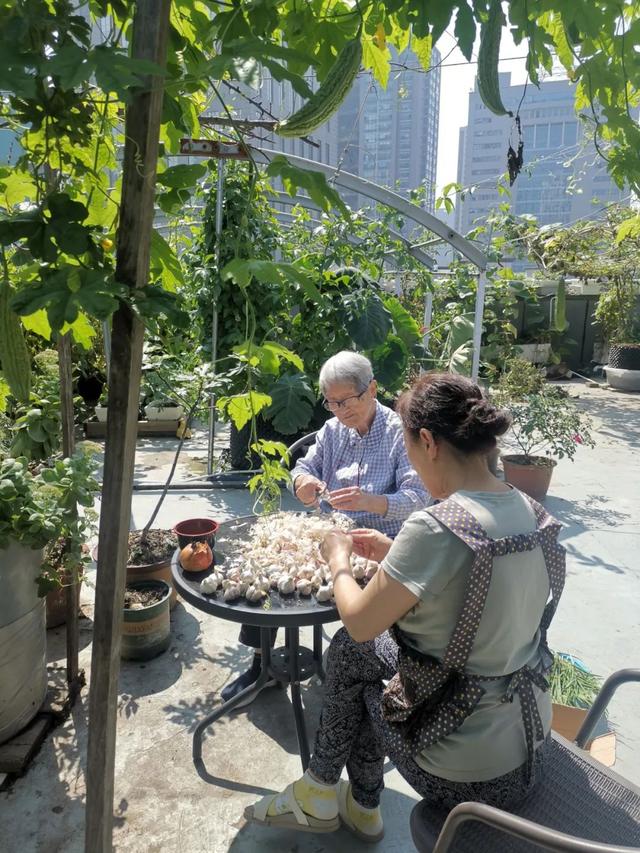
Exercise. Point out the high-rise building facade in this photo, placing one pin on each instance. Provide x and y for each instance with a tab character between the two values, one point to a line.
390	137
563	178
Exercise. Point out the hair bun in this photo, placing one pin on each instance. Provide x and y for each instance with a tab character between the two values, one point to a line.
483	421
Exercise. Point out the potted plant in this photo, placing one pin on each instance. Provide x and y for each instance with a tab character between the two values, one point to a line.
546	426
36	507
573	689
146	630
618	316
101	408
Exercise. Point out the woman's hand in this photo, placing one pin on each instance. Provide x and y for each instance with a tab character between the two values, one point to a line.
336	548
307	487
353	499
370	544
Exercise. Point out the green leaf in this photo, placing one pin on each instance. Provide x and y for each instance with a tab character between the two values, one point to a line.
240	407
315	183
182	176
4	396
81	329
376	59
367	321
465	30
38	323
390	361
165	263
292	401
16	187
405	327
422	48
63	207
629	228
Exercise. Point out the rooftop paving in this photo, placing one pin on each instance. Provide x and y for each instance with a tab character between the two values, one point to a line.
162	804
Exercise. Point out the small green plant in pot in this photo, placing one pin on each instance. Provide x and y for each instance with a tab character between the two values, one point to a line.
546	426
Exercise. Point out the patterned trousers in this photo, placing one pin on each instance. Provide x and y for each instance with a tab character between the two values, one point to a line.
354	734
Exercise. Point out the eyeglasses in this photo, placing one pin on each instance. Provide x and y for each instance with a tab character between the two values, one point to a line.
338	405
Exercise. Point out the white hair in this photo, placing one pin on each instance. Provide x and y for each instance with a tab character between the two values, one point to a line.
346	368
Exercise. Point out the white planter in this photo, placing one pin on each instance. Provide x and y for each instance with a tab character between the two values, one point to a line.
23	660
623	380
168	413
535	353
101	414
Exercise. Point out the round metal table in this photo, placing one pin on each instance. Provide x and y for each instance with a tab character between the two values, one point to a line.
290	664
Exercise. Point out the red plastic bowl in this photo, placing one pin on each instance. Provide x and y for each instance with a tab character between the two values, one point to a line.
196	530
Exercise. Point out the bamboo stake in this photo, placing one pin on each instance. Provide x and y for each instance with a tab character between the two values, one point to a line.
142	128
68	448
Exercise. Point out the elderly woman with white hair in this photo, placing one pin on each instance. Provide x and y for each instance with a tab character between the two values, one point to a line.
359	461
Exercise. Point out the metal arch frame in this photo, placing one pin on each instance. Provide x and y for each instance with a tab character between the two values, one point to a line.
411	211
383	196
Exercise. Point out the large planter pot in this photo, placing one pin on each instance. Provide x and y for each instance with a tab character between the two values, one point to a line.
624	356
621	379
148	572
535	353
167	413
23	663
146	632
530	474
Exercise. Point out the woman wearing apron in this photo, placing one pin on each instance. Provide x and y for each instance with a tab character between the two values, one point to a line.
442	659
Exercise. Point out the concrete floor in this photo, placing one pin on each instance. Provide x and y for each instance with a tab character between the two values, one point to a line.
161	804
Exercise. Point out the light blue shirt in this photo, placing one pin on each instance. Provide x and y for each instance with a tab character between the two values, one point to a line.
376	462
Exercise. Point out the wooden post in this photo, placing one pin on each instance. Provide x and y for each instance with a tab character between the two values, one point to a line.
68	448
142	127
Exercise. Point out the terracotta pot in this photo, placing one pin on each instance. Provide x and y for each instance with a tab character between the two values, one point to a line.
57	606
148	572
196	530
530	474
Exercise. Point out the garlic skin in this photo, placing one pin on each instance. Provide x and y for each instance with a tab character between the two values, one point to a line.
372	568
210	584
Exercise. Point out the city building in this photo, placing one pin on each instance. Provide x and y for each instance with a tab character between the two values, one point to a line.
390	137
563	178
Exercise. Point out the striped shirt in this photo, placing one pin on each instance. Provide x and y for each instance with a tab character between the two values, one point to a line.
377	462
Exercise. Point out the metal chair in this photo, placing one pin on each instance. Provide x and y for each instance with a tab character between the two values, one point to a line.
579	806
295	451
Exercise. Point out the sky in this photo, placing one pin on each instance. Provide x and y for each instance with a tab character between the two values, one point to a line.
456	81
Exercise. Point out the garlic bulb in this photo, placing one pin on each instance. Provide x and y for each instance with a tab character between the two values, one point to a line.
325	593
286	585
211	583
232	592
372	568
255	594
304	587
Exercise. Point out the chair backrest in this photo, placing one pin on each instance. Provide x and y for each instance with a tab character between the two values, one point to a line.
578	802
296	449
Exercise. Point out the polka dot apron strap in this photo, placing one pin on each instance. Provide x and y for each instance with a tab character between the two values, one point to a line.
463	525
554	557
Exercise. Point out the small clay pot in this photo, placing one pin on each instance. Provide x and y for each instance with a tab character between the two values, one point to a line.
196	530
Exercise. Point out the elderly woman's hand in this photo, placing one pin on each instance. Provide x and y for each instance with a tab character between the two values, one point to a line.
370	544
353	499
307	487
336	545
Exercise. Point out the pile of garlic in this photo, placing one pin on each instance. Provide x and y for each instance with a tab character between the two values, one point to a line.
283	552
